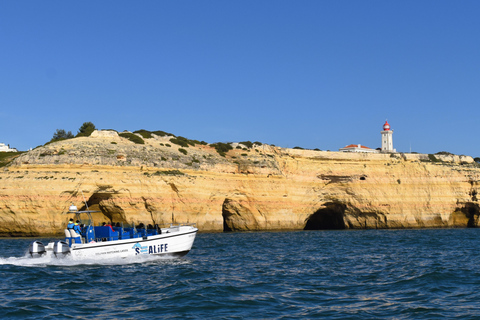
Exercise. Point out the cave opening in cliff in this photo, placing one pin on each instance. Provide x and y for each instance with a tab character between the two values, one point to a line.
107	210
330	217
472	213
94	201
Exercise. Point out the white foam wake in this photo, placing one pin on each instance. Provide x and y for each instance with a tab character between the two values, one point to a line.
50	260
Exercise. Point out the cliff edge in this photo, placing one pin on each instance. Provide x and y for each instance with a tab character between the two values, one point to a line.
251	187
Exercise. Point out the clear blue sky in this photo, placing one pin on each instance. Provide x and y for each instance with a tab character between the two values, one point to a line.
314	74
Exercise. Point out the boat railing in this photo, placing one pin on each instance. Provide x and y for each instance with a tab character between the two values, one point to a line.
123	231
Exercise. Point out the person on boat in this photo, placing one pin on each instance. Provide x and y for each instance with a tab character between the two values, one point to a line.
77	227
70	224
108	225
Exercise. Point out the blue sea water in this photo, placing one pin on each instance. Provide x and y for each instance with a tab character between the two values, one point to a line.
348	274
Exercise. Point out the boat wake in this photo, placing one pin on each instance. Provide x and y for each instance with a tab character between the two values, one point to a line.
67	261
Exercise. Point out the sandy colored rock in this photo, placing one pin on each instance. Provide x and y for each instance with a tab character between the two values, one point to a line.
259	188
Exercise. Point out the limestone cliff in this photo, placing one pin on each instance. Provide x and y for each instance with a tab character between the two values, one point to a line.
251	188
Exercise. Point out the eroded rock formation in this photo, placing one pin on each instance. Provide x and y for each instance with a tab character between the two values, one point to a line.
257	188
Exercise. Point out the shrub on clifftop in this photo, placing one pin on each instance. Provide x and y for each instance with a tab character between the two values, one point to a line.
144	133
132	137
162	133
60	134
247	144
222	148
86	129
433	158
181	141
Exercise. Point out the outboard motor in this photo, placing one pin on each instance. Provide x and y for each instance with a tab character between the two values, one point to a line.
36	249
61	249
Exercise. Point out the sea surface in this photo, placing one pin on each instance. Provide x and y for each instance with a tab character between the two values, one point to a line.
348	274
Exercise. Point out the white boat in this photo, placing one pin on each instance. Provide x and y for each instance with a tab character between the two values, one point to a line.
100	242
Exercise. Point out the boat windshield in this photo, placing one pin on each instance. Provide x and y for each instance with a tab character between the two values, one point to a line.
84	217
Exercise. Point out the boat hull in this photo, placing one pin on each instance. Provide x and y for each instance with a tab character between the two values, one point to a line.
177	243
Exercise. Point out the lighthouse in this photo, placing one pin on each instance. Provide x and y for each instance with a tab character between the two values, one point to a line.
387	141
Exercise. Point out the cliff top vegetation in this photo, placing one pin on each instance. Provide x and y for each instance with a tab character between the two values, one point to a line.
222	148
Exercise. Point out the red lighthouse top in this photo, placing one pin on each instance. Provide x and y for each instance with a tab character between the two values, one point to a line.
386	126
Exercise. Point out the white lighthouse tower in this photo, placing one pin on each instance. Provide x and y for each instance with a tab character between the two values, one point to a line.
387	141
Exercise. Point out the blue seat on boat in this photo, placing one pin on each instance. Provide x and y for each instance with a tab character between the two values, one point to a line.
142	232
105	234
133	232
152	232
122	233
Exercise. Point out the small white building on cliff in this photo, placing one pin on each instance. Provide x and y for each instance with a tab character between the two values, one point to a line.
357	148
5	148
387	143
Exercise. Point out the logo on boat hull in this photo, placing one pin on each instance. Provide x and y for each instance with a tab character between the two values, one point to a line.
158	248
139	249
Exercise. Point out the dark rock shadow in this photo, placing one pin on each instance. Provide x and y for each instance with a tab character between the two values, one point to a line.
329	218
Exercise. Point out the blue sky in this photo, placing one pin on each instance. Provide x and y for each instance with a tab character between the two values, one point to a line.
314	74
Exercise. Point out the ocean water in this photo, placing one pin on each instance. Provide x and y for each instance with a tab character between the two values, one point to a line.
348	274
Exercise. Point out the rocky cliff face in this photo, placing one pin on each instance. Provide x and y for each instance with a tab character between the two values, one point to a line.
257	188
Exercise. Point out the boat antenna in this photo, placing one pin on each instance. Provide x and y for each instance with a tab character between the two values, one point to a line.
86	205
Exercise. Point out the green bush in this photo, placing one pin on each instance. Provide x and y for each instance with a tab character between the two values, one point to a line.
86	129
433	158
132	137
183	151
181	141
144	133
203	143
184	142
162	133
61	134
222	148
247	144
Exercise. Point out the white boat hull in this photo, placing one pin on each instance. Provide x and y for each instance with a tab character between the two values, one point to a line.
176	243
